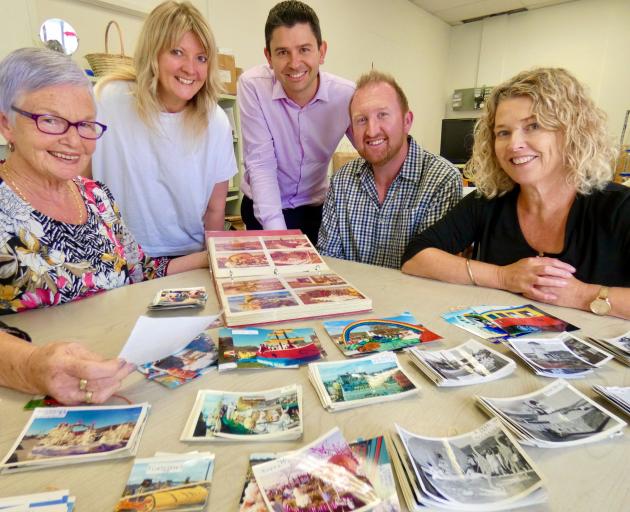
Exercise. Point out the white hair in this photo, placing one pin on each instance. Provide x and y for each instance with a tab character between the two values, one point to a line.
30	69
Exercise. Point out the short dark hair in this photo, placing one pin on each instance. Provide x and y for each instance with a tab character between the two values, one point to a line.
288	14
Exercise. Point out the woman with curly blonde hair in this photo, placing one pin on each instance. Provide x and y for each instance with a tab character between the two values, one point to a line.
546	220
169	154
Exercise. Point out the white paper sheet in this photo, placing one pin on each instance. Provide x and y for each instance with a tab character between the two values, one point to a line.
155	338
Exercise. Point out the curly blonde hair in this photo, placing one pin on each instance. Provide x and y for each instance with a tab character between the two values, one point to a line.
162	30
560	103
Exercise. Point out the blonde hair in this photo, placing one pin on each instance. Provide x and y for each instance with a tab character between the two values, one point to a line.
162	30
559	102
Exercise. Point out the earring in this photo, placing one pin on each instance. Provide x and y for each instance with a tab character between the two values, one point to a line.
11	147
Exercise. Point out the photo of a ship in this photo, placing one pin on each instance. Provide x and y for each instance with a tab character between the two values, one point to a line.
266	348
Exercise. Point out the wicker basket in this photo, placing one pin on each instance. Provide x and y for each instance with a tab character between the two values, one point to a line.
104	63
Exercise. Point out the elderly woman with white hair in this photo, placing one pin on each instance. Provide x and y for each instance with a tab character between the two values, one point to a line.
61	235
546	221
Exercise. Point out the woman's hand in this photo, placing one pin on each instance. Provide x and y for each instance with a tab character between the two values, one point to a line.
73	374
537	278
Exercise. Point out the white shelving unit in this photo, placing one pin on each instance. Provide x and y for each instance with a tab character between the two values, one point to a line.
228	103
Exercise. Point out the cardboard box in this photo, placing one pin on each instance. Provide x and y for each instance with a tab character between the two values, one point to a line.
227	72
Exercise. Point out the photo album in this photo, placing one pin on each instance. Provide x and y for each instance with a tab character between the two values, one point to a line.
270	276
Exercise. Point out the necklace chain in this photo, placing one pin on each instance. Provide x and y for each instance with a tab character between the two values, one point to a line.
9	176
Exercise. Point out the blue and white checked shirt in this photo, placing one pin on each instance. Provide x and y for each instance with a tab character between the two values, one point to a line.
356	227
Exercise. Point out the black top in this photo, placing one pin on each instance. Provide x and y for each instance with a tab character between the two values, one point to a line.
596	241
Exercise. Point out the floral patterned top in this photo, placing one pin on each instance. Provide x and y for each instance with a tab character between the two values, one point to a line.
44	262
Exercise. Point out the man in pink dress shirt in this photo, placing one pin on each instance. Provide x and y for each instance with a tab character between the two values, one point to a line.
292	118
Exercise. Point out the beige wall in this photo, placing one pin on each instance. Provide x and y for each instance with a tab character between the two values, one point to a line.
590	38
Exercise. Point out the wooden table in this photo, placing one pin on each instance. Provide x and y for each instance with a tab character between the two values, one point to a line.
588	478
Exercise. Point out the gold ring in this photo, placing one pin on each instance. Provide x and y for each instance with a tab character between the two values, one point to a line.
88	397
83	384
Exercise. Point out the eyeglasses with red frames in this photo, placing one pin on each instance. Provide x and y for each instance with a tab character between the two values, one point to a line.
55	125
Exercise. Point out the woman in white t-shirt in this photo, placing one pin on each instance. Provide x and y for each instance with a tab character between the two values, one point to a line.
168	153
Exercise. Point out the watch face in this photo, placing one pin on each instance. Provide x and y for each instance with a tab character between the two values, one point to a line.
600	306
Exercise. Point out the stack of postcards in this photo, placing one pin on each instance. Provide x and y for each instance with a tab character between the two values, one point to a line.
374	463
252	348
620	396
566	356
555	416
368	335
618	347
324	475
482	470
69	435
469	363
53	501
177	298
352	383
169	482
271	415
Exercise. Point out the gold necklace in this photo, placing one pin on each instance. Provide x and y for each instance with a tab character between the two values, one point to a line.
9	176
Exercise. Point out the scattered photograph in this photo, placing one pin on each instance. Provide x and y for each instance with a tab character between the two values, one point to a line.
247	286
275	413
241	260
483	467
618	395
323	476
194	360
314	280
287	242
356	337
251	498
329	295
586	351
300	257
174	482
550	355
179	298
267	348
254	302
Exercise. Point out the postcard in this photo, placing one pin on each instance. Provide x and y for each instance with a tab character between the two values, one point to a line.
324	475
236	244
620	396
299	257
251	498
317	280
251	285
250	259
363	336
468	363
64	435
287	242
555	416
329	295
178	482
491	322
50	501
194	360
250	347
482	468
255	302
352	383
173	298
255	416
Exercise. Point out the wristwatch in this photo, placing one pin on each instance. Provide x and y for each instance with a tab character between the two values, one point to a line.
601	305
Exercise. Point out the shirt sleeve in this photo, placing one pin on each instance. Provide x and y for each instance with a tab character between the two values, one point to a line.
261	165
453	233
329	239
447	194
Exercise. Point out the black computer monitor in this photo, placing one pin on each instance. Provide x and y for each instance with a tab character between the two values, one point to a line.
457	139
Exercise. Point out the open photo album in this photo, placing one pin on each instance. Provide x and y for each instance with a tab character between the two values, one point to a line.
270	276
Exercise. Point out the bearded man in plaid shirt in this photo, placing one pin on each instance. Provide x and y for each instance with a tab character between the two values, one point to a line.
377	203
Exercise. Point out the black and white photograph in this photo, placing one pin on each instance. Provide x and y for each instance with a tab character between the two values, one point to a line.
550	357
557	415
483	467
586	351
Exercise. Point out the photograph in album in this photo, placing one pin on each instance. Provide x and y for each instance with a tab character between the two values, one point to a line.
555	416
274	414
322	476
280	276
363	336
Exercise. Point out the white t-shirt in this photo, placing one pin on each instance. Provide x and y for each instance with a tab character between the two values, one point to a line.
162	177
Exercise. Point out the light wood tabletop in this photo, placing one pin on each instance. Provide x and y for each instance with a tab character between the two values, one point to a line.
582	478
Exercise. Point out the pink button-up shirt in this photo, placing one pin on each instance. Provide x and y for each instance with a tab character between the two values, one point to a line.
286	147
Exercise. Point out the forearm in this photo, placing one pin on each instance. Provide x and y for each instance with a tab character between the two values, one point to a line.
214	217
443	266
618	297
189	262
14	364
